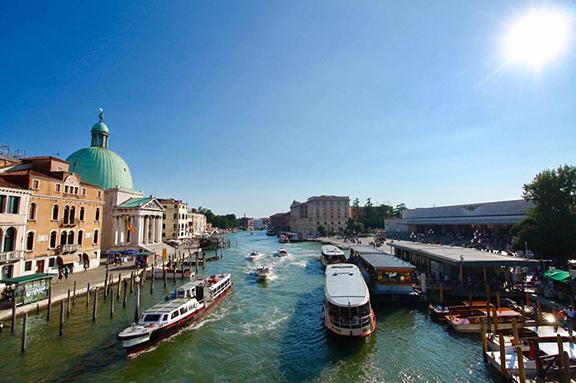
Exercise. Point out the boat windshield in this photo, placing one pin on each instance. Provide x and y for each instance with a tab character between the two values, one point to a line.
151	318
347	313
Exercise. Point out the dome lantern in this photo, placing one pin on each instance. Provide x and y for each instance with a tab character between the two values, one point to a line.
100	132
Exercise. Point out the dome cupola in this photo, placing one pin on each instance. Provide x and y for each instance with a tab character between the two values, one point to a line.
99	165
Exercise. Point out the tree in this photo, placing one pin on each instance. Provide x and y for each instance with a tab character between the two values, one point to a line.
397	213
321	230
550	228
356	203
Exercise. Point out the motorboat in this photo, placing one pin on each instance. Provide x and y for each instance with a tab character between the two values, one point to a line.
187	304
255	255
263	272
282	253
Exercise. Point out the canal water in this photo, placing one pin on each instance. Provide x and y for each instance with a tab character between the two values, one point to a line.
263	332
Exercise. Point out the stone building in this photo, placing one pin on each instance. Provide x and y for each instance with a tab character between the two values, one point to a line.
331	212
64	216
279	221
14	202
246	223
197	223
175	220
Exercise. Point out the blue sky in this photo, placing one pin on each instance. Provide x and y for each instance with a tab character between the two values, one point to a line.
244	106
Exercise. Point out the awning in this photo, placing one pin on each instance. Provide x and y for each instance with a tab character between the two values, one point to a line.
26	278
66	259
557	275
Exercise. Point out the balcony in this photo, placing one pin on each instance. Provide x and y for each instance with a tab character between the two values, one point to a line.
66	249
10	256
69	223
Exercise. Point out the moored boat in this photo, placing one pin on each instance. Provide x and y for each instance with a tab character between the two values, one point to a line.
170	270
347	309
188	303
330	255
471	320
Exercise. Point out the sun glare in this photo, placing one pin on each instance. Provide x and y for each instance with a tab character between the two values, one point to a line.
538	37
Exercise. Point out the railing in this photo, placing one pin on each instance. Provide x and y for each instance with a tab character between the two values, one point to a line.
62	249
8	256
351	324
69	223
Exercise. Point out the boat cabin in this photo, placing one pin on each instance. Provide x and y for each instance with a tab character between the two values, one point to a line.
385	274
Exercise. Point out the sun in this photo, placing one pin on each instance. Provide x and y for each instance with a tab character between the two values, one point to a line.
538	37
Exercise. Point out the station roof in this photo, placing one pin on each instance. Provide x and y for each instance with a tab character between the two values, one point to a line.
470	257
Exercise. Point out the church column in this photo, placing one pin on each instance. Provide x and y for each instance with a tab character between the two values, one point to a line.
145	230
150	229
138	234
153	228
159	223
121	229
114	231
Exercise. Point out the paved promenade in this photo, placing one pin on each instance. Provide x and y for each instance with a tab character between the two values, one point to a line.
60	287
346	245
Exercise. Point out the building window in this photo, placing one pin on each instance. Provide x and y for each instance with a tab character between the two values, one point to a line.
80	237
35	184
97	215
66	214
30	241
99	193
9	239
2	203
66	189
72	214
63	237
70	237
28	266
81	213
84	191
13	205
53	238
95	236
55	213
58	188
32	213
51	261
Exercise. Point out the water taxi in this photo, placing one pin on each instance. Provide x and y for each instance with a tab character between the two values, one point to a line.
254	255
283	239
263	272
331	255
347	309
282	253
170	269
188	303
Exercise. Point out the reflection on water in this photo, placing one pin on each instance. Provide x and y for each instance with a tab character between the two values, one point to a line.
264	331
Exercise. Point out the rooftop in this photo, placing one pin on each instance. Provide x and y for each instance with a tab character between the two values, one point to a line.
135	202
454	255
382	260
345	285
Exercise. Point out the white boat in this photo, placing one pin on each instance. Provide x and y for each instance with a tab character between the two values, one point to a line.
255	255
263	272
282	253
331	255
187	304
347	309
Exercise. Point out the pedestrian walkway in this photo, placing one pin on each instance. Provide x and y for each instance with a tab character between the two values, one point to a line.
60	287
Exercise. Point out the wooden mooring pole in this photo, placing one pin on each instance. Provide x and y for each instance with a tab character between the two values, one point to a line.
24	327
132	282
119	286
125	282
95	305
152	282
137	303
111	305
74	295
68	305
49	308
484	341
164	275
503	371
13	329
61	327
521	371
87	295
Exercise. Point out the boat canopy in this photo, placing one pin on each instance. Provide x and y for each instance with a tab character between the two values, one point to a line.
345	286
26	278
331	251
558	275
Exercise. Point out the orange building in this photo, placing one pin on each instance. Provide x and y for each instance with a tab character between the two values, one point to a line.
64	220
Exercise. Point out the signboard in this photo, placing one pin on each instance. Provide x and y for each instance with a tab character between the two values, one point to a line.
32	291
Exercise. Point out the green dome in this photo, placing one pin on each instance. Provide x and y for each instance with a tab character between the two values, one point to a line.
101	166
100	127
